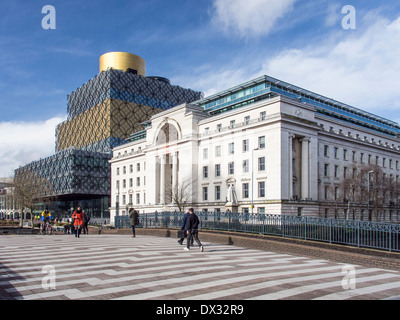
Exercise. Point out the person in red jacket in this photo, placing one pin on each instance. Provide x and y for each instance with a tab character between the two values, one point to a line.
78	220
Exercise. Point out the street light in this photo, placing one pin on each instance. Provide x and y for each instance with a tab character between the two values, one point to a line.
369	172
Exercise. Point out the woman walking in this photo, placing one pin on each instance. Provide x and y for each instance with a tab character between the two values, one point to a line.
78	221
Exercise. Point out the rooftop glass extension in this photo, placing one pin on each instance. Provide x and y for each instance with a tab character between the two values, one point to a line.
266	87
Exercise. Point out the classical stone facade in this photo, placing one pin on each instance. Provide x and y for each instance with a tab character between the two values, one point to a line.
261	147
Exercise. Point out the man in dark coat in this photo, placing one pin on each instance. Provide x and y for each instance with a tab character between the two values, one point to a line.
180	241
192	229
134	220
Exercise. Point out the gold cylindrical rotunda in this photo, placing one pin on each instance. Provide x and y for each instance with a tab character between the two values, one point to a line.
123	61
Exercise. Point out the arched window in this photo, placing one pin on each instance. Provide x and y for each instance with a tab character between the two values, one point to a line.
167	134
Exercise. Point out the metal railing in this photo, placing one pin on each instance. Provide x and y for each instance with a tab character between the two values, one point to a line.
383	236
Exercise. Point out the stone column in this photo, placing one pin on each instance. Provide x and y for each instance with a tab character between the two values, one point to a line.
305	175
291	137
175	172
162	178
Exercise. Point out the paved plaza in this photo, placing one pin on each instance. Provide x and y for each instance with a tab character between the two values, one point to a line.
110	267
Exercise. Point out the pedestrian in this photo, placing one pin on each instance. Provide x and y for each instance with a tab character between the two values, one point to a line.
134	220
192	230
86	219
184	235
78	220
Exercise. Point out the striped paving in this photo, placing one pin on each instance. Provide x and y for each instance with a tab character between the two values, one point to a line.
107	267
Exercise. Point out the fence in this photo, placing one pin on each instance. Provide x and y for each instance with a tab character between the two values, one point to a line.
383	236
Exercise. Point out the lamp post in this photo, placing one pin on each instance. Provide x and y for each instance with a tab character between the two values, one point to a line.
369	172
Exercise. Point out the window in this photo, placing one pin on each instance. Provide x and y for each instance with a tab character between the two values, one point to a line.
231	168
247	120
123	199
261	164
232	124
217	170
345	172
131	168
217	192
117	171
130	198
130	183
218	151
205	193
354	156
326	150
336	171
137	198
124	169
326	192
261	142
219	127
138	182
335	152
205	153
261	189
245	145
245	166
263	115
231	148
326	170
124	184
138	167
205	172
362	157
245	190
344	154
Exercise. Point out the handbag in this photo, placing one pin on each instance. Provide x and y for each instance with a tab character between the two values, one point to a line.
181	234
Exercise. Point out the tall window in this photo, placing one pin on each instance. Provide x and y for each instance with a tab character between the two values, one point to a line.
261	189
245	166
205	193
218	151
217	170
261	142
231	168
261	164
205	172
245	145
217	192
205	153
245	190
231	148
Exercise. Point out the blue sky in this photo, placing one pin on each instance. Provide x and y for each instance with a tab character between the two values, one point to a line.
206	45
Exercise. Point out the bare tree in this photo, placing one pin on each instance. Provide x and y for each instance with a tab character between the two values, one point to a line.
29	188
180	195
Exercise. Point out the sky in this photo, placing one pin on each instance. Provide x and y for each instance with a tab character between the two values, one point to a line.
348	54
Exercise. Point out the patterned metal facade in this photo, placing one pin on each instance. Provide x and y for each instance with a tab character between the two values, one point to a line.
102	114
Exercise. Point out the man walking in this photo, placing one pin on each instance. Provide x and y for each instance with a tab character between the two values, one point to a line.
134	220
192	230
180	241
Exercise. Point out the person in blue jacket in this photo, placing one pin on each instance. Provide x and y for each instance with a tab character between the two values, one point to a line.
180	241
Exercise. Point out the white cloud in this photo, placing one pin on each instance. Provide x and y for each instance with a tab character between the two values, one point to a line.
361	68
24	142
251	18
